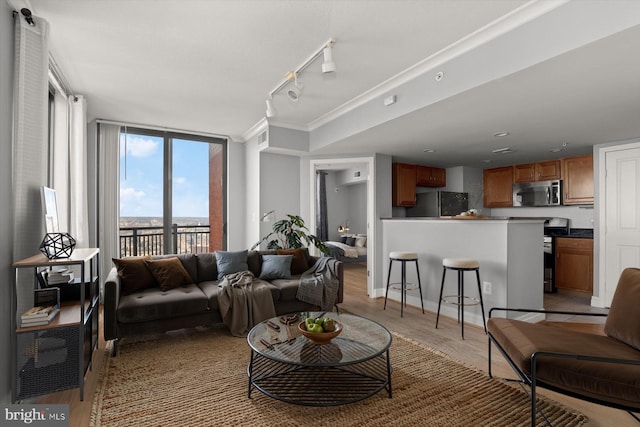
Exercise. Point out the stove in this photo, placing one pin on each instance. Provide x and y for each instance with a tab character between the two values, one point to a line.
553	227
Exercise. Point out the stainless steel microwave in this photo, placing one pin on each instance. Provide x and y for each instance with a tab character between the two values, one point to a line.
540	193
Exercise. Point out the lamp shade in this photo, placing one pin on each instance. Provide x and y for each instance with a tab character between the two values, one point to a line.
57	245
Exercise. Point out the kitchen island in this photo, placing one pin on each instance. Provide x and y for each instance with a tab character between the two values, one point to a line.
509	251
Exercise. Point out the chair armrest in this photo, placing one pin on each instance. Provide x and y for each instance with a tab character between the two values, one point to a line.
112	289
533	310
586	357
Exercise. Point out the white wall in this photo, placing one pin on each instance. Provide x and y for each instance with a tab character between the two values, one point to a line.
357	208
279	187
251	214
236	196
6	209
337	207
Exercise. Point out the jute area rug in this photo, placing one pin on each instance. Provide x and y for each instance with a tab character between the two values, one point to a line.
199	378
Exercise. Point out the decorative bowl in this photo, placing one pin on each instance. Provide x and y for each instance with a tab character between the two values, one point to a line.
320	338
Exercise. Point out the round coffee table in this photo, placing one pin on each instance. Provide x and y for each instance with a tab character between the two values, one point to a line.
287	366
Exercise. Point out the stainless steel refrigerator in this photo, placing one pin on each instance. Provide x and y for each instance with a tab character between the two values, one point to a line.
439	203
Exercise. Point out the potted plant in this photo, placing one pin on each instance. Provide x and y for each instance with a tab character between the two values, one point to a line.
291	233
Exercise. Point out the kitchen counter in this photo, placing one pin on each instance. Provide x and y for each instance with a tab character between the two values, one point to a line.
580	233
509	251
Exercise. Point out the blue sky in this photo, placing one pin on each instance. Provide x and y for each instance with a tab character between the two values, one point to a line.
141	190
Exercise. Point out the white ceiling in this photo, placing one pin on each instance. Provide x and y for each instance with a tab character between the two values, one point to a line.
207	66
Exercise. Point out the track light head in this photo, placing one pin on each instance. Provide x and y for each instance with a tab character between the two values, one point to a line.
328	66
294	92
271	110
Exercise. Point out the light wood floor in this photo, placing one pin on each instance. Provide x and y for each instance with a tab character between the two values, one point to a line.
471	351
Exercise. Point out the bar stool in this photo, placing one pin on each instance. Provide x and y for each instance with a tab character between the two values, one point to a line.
461	265
403	258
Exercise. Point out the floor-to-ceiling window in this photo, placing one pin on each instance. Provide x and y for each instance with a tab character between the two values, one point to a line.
172	197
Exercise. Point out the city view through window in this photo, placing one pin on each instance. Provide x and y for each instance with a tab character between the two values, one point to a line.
150	174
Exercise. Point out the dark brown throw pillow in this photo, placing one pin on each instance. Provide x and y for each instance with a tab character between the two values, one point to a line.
299	264
169	272
134	274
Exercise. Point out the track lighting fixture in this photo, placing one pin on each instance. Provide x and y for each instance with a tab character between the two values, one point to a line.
294	88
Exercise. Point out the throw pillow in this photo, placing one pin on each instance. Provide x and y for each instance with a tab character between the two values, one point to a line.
351	241
134	274
343	239
276	267
361	242
299	264
229	262
169	273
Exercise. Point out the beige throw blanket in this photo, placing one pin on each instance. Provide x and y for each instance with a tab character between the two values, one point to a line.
244	301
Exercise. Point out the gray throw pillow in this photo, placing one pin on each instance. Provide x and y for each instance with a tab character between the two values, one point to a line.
229	262
276	267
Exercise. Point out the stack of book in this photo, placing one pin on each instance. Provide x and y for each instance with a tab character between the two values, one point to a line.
37	316
58	277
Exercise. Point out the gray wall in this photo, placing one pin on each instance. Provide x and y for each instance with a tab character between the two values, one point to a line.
6	212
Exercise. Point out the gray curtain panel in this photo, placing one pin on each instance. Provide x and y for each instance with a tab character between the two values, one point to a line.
322	228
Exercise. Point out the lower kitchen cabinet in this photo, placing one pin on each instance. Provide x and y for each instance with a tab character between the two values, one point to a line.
574	265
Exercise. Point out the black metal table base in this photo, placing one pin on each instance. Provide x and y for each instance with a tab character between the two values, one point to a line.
319	385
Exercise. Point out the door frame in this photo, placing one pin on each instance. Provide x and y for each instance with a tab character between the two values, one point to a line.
601	236
371	237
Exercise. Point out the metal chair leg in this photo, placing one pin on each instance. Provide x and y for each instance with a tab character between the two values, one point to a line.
388	279
444	273
484	321
420	286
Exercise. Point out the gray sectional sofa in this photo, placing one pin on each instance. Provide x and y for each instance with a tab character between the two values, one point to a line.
133	308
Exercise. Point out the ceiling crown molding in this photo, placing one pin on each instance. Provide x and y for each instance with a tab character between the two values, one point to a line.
506	23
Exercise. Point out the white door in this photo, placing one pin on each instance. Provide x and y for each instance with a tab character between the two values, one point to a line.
622	215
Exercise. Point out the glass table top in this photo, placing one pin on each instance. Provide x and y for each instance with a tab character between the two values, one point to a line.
361	339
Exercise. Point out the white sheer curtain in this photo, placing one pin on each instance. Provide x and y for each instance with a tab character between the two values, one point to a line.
30	96
60	157
108	197
78	194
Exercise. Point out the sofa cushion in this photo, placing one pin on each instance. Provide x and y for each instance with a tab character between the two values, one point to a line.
169	273
229	262
211	289
288	287
624	317
134	274
154	303
612	383
189	262
300	262
207	269
276	267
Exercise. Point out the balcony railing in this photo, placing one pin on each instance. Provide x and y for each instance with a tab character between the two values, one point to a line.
135	241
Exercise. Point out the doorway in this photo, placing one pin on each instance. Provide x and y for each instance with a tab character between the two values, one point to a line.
350	200
619	191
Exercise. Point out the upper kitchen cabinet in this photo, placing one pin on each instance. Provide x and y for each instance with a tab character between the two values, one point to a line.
498	187
428	176
541	171
404	184
577	176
